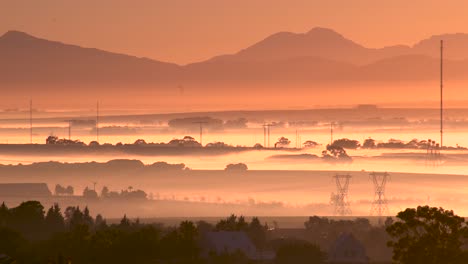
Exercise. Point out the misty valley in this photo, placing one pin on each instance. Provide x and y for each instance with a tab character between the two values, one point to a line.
233	132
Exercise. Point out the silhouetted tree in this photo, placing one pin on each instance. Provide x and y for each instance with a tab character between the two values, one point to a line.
54	220
125	222
69	190
28	219
11	242
87	219
93	143
89	194
369	143
392	143
257	233
140	142
204	227
187	141
310	144
258	146
428	235
105	192
100	222
74	217
217	145
346	143
239	167
60	190
335	153
50	140
282	142
4	215
53	140
298	252
228	224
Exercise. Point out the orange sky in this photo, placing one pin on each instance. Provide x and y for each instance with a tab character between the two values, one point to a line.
184	31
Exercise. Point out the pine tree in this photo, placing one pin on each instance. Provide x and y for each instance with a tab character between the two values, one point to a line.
54	220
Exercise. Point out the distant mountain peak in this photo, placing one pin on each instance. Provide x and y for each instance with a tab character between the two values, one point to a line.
323	31
16	35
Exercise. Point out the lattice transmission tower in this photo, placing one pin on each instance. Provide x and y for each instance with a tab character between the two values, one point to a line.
379	205
340	199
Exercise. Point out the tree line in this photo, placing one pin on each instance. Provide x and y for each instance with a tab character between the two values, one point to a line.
31	234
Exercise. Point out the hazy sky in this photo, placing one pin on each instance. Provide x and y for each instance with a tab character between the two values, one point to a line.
184	31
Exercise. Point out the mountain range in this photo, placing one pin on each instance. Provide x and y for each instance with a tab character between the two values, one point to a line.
35	67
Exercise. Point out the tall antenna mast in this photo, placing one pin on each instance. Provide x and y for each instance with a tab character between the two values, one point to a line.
201	130
441	94
97	121
30	122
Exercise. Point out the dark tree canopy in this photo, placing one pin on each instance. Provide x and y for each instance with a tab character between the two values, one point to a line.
282	142
428	235
346	143
369	143
310	144
299	252
335	154
238	167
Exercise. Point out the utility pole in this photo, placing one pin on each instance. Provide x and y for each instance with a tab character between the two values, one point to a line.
201	130
269	125
268	132
441	94
297	139
97	121
331	133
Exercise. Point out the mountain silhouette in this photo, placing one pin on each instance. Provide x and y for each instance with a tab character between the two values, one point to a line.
318	42
25	59
35	67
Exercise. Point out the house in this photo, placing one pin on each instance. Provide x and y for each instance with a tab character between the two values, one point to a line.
229	242
347	249
24	190
5	259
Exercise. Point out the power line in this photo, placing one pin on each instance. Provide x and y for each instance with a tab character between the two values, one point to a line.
441	93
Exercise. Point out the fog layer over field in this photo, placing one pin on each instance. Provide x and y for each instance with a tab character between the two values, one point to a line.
288	181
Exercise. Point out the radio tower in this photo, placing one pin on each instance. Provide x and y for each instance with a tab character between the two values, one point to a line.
441	94
340	199
379	205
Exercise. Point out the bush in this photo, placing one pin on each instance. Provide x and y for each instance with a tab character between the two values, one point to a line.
239	167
